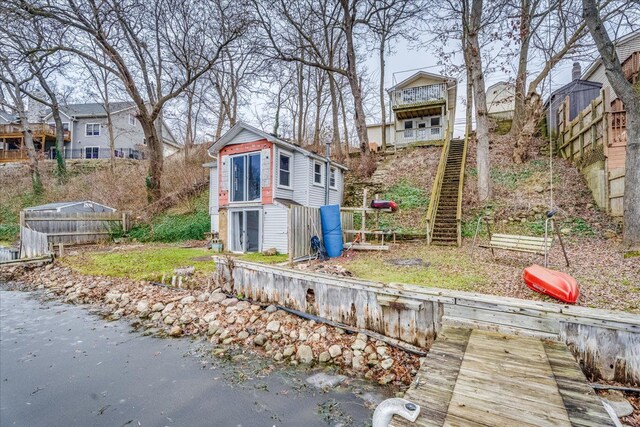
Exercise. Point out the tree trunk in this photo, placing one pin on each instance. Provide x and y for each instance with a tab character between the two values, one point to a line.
383	108
300	103
631	219
533	113
521	76
469	109
335	136
482	119
344	123
112	138
354	83
156	160
630	97
61	167
316	130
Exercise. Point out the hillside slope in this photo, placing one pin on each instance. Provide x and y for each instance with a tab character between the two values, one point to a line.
521	193
93	180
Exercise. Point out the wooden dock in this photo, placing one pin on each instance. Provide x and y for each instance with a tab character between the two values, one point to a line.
483	378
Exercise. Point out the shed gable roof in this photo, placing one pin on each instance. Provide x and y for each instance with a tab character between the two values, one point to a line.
240	126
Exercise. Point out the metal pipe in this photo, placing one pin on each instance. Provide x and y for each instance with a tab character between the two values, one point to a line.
388	408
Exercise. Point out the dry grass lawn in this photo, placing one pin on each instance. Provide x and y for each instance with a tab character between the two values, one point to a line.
607	280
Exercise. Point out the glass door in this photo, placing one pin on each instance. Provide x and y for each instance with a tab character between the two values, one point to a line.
245	231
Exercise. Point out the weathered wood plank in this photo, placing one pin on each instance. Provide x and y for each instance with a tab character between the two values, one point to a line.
433	387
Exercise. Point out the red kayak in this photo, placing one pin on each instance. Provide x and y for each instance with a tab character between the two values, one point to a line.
553	283
384	204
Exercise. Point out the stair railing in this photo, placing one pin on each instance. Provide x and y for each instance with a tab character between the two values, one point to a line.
460	189
437	186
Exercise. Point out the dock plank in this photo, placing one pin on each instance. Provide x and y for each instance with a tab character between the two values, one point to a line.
483	378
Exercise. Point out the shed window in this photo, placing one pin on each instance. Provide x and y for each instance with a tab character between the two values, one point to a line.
284	170
132	119
245	177
332	178
317	173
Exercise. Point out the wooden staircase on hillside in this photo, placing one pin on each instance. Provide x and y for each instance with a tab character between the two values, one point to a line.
446	209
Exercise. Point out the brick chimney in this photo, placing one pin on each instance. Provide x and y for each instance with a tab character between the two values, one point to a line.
576	71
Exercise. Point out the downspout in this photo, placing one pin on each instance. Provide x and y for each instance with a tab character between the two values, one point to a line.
327	175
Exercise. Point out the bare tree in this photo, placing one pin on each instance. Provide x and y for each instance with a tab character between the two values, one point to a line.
472	25
35	44
555	37
629	94
156	58
293	32
14	79
391	21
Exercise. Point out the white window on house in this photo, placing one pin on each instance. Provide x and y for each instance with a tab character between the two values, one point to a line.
332	178
284	170
132	119
245	177
318	173
435	121
92	129
91	152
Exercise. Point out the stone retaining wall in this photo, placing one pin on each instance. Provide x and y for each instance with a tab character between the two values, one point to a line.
606	343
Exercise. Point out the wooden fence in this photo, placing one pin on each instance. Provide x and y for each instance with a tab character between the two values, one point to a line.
304	223
72	228
593	143
33	243
7	254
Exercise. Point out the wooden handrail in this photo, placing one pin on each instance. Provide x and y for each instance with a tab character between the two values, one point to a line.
437	185
460	188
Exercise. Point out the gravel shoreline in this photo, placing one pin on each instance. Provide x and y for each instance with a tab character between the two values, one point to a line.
227	322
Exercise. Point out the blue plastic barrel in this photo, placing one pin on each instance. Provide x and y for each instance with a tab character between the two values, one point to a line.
331	230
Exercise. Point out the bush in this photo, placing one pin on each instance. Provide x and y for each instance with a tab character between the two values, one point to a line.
171	227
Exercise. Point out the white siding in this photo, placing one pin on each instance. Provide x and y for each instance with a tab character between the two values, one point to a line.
301	181
213	198
280	192
274	228
316	192
245	135
335	195
624	51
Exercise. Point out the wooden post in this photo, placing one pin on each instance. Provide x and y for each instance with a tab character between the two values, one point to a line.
22	220
363	228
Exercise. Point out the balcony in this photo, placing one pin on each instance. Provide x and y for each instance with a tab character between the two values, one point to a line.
420	100
38	130
419	136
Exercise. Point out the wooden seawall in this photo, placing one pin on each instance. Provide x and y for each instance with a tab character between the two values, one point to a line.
606	343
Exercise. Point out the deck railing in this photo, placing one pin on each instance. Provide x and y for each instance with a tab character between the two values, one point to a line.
418	95
38	130
408	136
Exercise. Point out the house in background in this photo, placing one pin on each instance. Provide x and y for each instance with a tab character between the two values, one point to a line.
628	51
86	132
254	181
423	107
594	138
580	93
501	100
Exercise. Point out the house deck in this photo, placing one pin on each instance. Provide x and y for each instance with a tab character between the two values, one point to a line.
482	378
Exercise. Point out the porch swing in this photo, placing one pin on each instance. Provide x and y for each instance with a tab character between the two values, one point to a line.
517	243
529	244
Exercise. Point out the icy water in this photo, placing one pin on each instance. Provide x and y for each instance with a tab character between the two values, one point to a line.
61	365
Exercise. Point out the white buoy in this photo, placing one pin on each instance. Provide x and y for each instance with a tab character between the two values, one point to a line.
388	408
